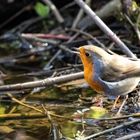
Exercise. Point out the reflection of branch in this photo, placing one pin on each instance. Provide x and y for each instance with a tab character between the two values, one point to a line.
54	10
104	28
54	128
21	116
120	117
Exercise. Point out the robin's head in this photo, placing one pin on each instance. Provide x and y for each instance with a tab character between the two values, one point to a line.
89	52
86	55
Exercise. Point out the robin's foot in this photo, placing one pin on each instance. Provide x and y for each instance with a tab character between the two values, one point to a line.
115	103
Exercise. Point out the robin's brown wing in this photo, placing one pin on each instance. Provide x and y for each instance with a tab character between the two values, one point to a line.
118	67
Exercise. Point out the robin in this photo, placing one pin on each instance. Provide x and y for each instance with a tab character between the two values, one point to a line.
109	73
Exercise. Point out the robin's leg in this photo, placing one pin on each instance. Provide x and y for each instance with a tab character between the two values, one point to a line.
124	101
116	100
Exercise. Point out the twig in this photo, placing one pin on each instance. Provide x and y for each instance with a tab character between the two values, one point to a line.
27	23
137	26
79	15
69	5
88	35
125	124
45	36
123	103
134	26
52	59
16	15
55	11
104	28
129	136
34	38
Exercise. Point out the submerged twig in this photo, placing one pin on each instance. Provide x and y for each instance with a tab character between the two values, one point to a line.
15	116
23	104
34	108
55	133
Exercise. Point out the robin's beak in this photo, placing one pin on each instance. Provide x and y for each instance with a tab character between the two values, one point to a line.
76	51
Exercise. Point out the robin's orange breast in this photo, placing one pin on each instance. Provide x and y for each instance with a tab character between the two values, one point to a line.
89	77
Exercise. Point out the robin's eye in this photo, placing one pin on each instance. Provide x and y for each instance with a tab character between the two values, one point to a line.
87	54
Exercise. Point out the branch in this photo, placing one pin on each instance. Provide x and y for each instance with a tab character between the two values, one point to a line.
42	83
129	136
112	129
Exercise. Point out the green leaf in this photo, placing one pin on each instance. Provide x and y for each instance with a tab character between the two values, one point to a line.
2	109
96	112
41	9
